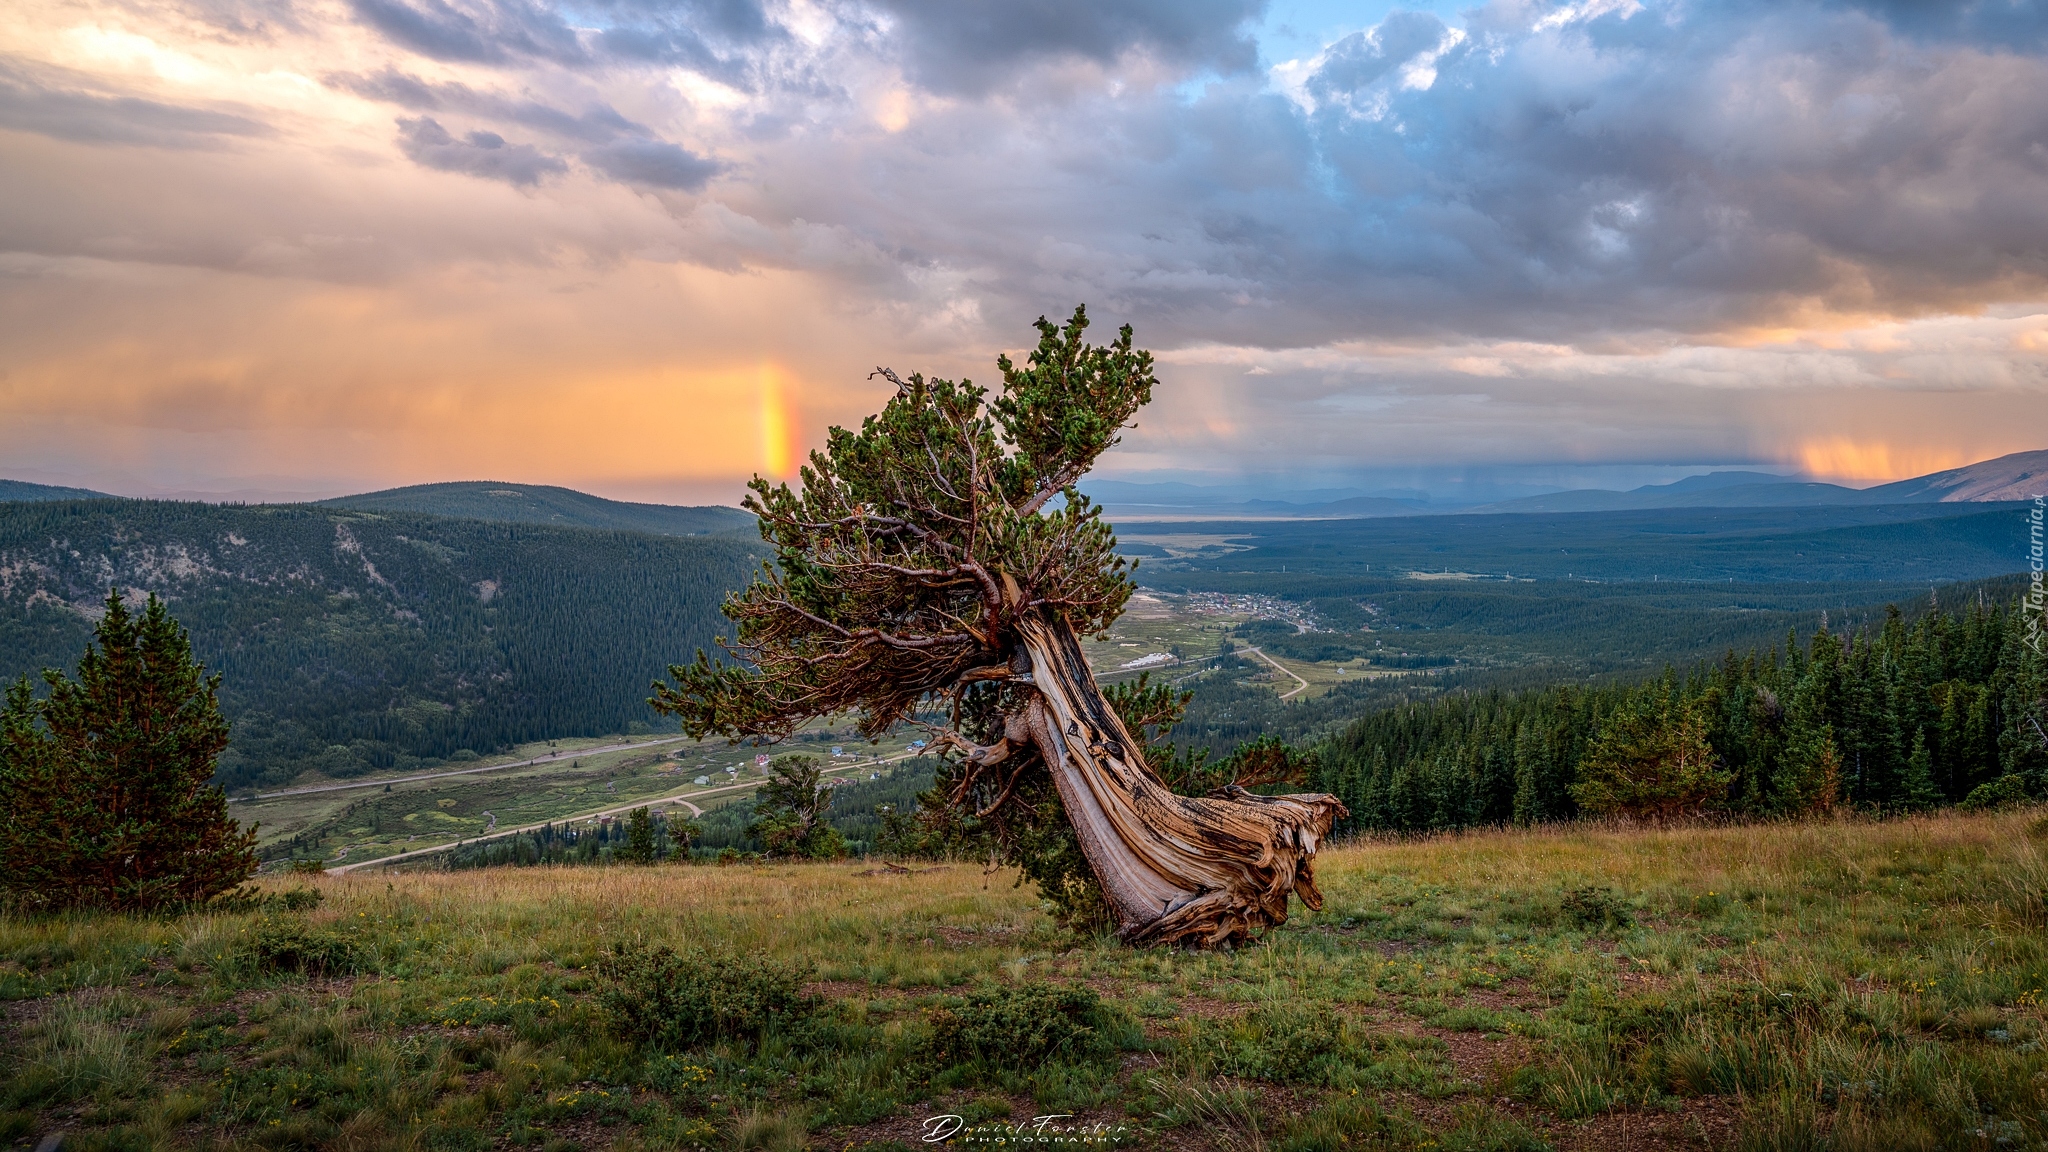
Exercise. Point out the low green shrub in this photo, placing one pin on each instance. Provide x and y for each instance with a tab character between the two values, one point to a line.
2004	792
300	899
289	944
1302	1043
1592	907
1024	1026
675	1000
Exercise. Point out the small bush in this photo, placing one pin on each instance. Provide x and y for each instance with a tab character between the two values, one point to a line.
1591	907
2004	792
300	899
671	999
307	867
1301	1043
289	944
1026	1025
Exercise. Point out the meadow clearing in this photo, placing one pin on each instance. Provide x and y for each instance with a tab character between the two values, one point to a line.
1847	985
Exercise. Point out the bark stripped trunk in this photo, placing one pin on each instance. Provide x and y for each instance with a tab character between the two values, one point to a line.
1175	869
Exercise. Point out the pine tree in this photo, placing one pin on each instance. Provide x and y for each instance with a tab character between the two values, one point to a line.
789	815
104	793
639	847
1652	761
940	559
1527	752
1918	790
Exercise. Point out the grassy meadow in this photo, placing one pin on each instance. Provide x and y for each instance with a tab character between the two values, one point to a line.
1842	985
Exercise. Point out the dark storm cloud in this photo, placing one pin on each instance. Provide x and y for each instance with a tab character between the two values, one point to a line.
483	154
2020	25
1363	58
968	46
713	38
720	38
1530	173
652	162
43	106
625	151
1686	172
596	124
1525	170
479	33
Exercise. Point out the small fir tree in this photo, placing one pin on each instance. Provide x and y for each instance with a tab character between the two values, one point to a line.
639	848
1919	791
104	793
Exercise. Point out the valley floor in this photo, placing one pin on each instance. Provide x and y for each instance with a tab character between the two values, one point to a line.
1840	985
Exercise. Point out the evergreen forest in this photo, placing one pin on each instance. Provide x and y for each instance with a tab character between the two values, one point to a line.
352	642
1900	715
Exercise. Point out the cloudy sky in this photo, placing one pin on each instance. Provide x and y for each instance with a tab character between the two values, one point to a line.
267	247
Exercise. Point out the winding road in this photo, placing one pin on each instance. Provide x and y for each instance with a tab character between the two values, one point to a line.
1282	667
647	803
382	780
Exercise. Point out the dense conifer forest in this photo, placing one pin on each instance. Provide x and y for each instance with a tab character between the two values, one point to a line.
1901	715
352	642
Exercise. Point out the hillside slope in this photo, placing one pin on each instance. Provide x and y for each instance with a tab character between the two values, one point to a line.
23	490
2019	476
545	504
350	642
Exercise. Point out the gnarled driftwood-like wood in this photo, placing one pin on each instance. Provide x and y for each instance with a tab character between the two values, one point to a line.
1175	869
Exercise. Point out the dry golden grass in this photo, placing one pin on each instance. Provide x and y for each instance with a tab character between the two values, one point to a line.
1845	985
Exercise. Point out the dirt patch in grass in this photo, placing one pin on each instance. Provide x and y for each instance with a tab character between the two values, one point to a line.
1705	1122
1205	1008
1482	1060
1511	996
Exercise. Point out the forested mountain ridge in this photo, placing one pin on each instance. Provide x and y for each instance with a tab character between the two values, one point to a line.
353	641
23	490
547	504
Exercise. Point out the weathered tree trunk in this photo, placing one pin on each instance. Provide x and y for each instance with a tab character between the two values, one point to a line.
1175	869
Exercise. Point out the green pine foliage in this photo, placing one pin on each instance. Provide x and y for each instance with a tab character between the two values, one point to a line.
789	811
1652	763
640	846
105	798
355	642
1899	717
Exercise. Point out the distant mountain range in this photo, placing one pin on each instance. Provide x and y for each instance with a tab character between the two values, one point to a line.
2020	476
509	503
497	501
